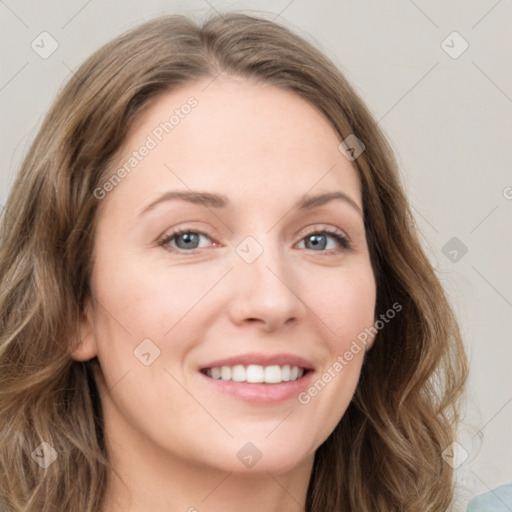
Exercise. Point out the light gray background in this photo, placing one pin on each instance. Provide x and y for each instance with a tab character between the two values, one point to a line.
448	119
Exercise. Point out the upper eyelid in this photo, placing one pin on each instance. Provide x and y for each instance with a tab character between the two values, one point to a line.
329	230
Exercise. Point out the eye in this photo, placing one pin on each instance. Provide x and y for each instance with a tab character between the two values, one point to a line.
319	240
187	240
184	240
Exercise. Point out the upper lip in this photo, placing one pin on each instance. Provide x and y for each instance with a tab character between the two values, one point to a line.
261	359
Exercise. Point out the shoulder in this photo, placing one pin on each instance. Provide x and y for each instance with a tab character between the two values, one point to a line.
496	500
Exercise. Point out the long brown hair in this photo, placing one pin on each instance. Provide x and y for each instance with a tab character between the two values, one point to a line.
386	452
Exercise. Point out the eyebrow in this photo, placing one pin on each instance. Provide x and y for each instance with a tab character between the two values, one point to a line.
220	201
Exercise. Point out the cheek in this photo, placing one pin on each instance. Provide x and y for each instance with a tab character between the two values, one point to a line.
145	311
345	301
148	301
168	305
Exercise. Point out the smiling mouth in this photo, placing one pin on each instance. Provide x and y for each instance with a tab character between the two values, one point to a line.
256	374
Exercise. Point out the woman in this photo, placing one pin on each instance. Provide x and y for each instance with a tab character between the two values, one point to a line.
213	296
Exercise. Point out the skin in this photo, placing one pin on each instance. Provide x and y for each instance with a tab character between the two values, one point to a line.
172	439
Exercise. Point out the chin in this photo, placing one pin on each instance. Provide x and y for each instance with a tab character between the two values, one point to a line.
260	458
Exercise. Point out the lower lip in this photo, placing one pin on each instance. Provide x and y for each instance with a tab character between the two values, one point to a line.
261	393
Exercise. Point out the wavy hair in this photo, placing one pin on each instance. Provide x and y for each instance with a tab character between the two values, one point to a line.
386	452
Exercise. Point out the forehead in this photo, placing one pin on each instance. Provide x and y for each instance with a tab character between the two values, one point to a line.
236	137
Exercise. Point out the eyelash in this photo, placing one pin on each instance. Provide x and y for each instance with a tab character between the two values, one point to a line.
337	235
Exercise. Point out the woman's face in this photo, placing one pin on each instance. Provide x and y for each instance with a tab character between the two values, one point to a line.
262	279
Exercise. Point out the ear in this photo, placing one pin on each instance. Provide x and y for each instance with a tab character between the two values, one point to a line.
85	348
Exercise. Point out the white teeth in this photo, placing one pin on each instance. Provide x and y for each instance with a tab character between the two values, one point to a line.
238	373
273	374
225	373
255	373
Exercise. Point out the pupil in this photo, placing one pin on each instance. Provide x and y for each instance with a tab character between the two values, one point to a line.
187	238
316	242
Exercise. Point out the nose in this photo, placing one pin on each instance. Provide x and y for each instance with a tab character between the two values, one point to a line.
267	291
